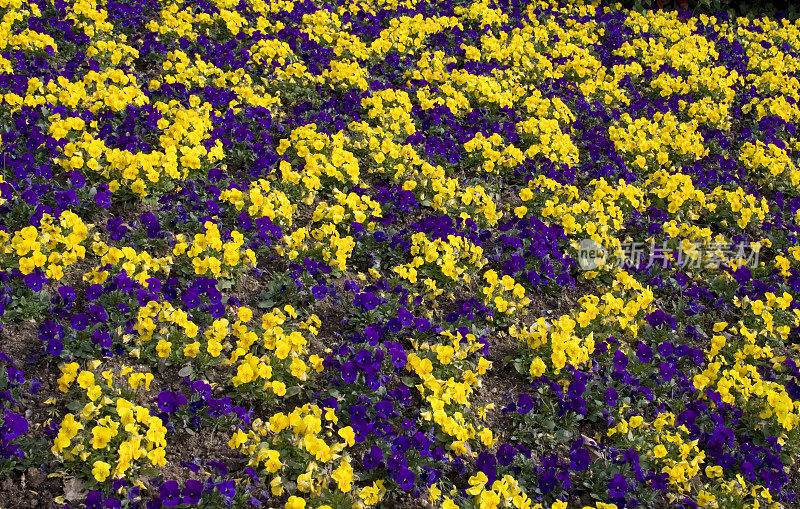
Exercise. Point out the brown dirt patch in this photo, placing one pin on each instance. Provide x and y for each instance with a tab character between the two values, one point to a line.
29	489
20	341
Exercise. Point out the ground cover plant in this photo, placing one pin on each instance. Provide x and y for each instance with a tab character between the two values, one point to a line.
380	253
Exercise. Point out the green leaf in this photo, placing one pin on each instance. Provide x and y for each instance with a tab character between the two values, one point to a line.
563	435
292	391
186	371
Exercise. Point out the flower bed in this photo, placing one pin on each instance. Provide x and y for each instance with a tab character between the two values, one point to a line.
480	254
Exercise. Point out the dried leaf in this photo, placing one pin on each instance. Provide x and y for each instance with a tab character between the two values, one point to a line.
74	490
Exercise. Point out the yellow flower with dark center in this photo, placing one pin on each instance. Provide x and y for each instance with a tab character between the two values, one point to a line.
101	470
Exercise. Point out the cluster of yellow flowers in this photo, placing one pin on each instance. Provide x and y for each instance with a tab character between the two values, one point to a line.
504	293
446	397
303	430
623	308
650	143
51	247
109	426
776	161
287	350
207	247
505	492
734	374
